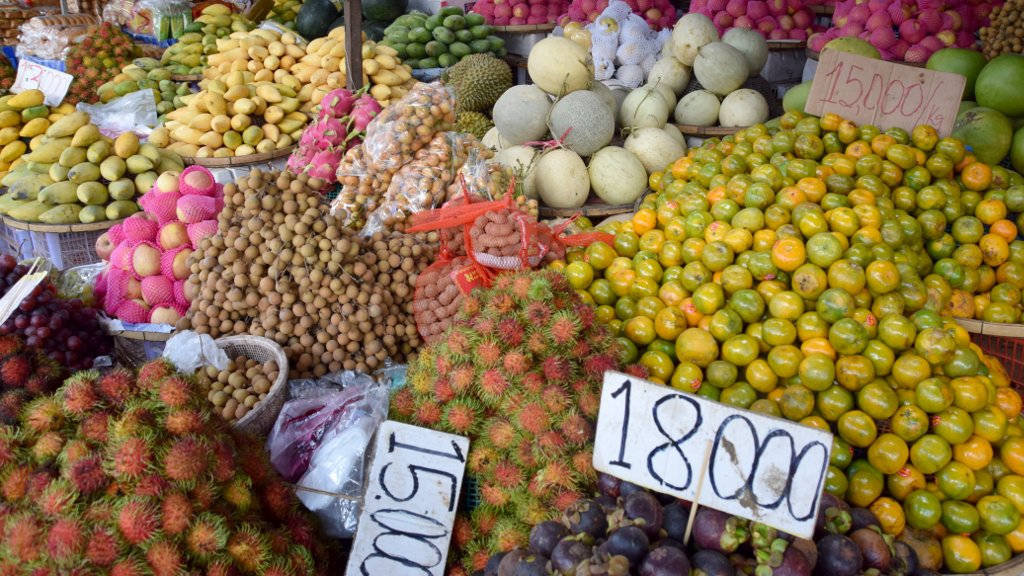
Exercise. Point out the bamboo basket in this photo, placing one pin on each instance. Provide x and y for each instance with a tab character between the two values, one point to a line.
238	160
64	245
259	420
1003	341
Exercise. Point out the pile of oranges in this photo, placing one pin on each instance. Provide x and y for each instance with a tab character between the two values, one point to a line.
810	270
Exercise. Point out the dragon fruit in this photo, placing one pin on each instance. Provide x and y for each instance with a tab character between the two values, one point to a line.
337	104
324	163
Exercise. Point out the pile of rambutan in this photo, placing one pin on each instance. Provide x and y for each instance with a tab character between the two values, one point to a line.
127	474
24	373
519	372
97	59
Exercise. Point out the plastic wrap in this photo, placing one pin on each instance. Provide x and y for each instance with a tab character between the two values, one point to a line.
49	36
189	350
320	441
394	136
78	282
133	112
361	189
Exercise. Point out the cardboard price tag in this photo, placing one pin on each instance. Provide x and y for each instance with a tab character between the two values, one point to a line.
765	469
409	504
52	83
884	94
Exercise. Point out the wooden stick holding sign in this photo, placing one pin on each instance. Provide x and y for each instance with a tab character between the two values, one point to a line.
696	497
354	44
21	289
762	468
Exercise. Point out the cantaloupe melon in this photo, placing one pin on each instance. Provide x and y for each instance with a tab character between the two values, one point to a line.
670	72
644	107
753	46
655	148
691	32
585	121
744	107
617	175
560	66
698	108
522	162
494	140
607	96
521	114
720	68
562	180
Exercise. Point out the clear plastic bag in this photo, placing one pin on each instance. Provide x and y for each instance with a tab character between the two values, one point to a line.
78	282
361	189
48	37
133	112
424	182
394	136
320	441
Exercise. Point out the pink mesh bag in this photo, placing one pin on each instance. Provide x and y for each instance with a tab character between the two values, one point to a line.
133	311
200	230
121	256
99	288
189	182
195	208
170	225
167	263
131	258
138	229
179	294
114	295
162	205
157	290
116	234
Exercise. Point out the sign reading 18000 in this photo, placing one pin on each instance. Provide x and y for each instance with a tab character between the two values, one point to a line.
762	468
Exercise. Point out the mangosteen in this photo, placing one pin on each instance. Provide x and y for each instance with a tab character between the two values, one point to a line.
862	518
644	508
586	517
833	516
905	561
532	565
491	569
838	555
568	554
674	518
711	563
794	563
544	537
873	548
627	488
670	543
608	504
628	541
715	530
926	547
507	566
809	549
665	499
608	485
665	561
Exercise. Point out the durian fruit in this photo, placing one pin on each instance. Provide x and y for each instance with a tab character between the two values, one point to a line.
126	473
474	123
479	80
519	372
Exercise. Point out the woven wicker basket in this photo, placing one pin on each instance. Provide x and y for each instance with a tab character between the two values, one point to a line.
259	420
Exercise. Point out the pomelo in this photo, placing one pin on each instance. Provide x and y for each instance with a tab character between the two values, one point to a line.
796	97
1017	152
965	106
1000	83
987	132
966	63
853	45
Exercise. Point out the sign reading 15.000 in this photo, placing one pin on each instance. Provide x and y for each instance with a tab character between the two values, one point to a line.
762	468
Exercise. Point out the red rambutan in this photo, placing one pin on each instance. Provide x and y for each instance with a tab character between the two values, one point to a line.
524	455
65	540
443	392
550	443
175	392
493	494
177	513
137	519
508	474
536	343
637	371
14	486
151	485
38	483
442	364
87	475
461	417
403	403
477	561
588	403
22	537
483	325
94	427
583	463
220	567
480	459
47	447
102	547
516	363
501	434
223	462
508	534
129	458
128	567
37	385
595	366
586	315
427	413
42	415
563	329
492	386
487	353
501	303
153	372
79	396
278	500
15	371
533	418
556	369
521	286
186	460
503	282
564	498
457	343
470	306
511	332
57	498
11	403
555	398
206	537
557	473
249	548
576	429
9	344
164	558
184	421
533	382
301	530
116	386
462	378
203	495
462	532
538	313
279	567
580	349
237	492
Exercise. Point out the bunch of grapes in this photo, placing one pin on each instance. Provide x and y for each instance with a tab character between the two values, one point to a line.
66	331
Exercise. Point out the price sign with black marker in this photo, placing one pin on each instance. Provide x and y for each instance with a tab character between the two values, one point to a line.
762	468
409	504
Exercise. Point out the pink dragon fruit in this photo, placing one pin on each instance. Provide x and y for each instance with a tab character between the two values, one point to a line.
364	111
324	163
336	104
300	158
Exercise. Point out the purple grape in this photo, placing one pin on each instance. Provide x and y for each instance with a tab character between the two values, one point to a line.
628	541
568	553
586	516
665	561
545	536
644	508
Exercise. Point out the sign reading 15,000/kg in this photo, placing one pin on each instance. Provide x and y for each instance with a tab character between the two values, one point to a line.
884	94
762	468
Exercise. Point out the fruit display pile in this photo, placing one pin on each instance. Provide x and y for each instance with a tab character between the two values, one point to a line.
518	372
23	117
811	288
441	40
143	74
6	74
188	55
774	19
498	13
97	59
1004	33
75	174
238	389
285	11
658	14
126	473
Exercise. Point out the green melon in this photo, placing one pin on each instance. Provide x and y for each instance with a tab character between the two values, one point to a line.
967	63
987	132
965	106
1000	84
796	97
1017	152
853	45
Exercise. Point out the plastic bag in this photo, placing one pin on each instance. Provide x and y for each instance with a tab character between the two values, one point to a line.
133	112
48	37
360	191
423	183
394	136
78	282
189	350
320	442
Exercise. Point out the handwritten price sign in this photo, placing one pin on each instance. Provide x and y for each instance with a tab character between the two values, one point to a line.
52	83
761	468
884	94
409	505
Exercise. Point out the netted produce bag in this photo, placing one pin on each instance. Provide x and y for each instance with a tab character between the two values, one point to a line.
394	136
361	189
423	183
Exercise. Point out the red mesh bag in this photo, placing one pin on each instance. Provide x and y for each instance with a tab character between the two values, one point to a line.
193	208
179	294
117	281
167	263
185	183
161	205
116	234
132	311
137	228
157	290
200	230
